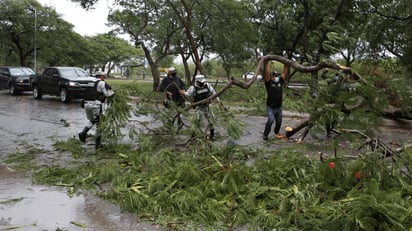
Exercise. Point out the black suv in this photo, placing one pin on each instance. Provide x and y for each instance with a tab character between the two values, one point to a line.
66	82
16	79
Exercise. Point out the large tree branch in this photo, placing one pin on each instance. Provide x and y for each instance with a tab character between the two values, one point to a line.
297	66
304	69
259	67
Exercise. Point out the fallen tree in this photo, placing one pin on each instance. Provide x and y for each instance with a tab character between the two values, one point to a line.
306	123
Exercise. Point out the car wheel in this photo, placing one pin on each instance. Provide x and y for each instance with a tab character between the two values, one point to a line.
12	90
63	96
37	93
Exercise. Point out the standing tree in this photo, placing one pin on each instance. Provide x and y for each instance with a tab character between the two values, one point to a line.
148	24
55	41
17	29
110	50
230	35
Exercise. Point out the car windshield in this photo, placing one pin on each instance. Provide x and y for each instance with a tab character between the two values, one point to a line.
21	71
73	72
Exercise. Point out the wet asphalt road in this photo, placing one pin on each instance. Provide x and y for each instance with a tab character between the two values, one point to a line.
40	123
24	120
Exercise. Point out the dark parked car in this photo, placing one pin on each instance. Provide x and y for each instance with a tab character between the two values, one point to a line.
66	82
16	79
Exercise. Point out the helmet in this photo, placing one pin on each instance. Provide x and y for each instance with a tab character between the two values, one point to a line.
171	69
200	78
100	73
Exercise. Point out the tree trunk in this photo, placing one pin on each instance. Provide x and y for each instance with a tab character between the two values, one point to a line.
153	67
294	130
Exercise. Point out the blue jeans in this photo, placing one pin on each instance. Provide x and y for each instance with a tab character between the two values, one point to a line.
274	114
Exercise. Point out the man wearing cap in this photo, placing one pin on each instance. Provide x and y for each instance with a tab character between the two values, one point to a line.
173	87
93	105
200	91
274	82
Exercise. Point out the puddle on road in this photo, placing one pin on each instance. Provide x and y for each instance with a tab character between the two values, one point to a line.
24	206
29	207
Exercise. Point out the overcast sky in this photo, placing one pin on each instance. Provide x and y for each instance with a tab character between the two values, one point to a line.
90	22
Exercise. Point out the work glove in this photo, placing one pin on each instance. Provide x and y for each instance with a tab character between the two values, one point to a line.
111	93
166	103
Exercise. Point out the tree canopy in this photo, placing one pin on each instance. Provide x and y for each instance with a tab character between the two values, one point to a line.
236	32
26	26
305	31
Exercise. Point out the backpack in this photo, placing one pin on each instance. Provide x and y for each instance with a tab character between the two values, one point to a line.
91	93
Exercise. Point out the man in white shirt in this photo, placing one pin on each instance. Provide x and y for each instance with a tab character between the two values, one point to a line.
93	107
200	91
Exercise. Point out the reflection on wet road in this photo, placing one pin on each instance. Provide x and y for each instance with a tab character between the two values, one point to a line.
28	207
33	207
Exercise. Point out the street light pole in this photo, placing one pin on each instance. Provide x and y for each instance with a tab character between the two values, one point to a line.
35	40
32	9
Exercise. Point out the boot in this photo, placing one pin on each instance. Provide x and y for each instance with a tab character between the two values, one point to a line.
212	135
82	135
98	142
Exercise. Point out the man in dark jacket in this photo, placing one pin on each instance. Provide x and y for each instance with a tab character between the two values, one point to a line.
173	87
274	83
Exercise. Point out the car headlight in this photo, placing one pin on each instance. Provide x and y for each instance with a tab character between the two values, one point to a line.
73	84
